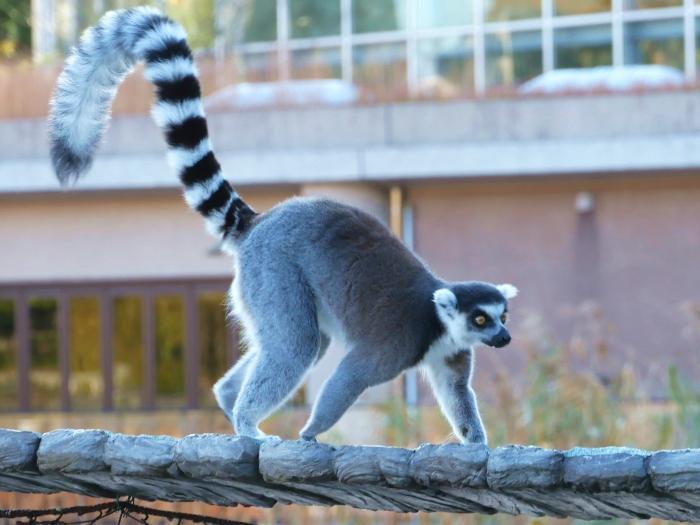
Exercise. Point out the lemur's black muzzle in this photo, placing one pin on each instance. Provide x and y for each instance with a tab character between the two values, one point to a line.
500	340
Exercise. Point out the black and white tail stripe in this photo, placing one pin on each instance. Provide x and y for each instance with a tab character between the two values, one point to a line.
86	88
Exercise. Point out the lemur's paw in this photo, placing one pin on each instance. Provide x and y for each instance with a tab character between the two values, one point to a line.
308	437
474	437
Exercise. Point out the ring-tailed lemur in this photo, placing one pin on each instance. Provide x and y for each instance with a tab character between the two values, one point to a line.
304	269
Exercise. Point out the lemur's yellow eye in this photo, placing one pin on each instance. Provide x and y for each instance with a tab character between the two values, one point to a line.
504	317
480	320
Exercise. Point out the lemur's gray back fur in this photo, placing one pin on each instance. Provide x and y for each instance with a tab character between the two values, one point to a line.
358	272
86	88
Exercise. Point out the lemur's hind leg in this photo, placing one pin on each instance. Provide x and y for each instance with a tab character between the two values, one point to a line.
287	339
227	388
359	370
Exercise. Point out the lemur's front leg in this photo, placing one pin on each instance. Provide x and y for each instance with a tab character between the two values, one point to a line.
450	378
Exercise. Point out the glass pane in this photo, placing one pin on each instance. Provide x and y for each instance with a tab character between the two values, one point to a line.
170	351
495	10
513	58
444	13
213	343
316	63
44	375
85	379
445	67
260	19
127	341
197	17
651	4
312	18
378	15
654	43
380	70
580	7
583	47
8	356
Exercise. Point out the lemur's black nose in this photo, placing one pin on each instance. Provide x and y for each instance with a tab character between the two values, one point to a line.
501	339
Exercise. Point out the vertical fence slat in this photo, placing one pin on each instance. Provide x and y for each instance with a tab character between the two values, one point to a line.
149	348
107	352
191	348
63	328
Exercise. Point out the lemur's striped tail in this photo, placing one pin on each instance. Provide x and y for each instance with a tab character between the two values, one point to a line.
81	105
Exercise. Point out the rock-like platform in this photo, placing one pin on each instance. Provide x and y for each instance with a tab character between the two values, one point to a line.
229	470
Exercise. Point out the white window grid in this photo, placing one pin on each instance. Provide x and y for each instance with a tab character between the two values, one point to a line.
547	24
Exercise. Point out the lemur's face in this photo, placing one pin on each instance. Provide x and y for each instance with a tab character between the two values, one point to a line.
475	313
487	321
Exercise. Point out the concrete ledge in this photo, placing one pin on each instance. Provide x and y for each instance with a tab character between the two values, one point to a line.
377	164
600	134
230	470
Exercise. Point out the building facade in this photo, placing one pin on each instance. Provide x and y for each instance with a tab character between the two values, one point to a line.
400	48
112	297
576	200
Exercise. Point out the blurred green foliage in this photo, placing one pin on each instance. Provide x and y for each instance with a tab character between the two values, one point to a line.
686	421
197	17
15	31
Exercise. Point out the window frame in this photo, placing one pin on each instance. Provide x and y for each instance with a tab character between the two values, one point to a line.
106	292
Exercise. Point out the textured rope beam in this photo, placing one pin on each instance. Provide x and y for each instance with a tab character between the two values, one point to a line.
229	470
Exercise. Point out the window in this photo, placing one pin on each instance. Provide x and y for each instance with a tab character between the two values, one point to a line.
580	47
445	67
151	345
316	63
498	10
658	42
85	383
513	57
170	351
581	7
8	356
44	375
444	13
380	69
260	19
214	343
127	343
378	15
314	18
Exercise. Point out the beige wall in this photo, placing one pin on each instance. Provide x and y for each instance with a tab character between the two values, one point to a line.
637	257
110	236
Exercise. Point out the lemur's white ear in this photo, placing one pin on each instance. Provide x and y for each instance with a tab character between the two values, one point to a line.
445	301
508	290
